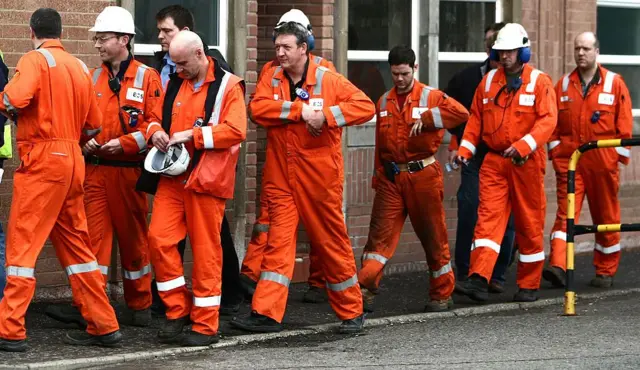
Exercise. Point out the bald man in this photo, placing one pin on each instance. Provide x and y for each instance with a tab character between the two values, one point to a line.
193	202
593	104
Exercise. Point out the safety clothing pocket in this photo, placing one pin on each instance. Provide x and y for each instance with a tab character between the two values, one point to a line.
24	151
564	121
385	133
604	127
311	142
57	165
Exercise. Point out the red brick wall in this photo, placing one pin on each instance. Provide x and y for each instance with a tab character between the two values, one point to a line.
77	18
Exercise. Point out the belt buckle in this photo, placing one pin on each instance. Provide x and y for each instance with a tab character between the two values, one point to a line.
412	169
519	161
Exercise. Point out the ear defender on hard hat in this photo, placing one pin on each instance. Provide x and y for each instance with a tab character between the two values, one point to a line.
524	54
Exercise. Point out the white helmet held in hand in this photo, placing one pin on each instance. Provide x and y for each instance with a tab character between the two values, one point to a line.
172	163
114	19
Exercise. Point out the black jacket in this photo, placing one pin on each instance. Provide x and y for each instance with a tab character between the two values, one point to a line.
462	87
214	53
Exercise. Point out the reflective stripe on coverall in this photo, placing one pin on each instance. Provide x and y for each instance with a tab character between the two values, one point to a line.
179	210
111	200
47	186
597	175
419	194
303	180
253	258
524	119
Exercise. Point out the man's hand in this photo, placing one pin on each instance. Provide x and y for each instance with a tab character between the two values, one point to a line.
315	122
416	129
90	147
181	137
307	112
112	147
462	160
453	155
160	140
510	152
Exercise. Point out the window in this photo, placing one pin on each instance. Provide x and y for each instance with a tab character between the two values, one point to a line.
621	54
462	25
376	26
210	19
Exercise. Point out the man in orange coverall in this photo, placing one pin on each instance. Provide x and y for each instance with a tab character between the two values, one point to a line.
204	109
111	201
47	188
514	113
593	104
250	271
304	106
411	119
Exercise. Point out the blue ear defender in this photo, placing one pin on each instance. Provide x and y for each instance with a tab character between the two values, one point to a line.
311	40
524	54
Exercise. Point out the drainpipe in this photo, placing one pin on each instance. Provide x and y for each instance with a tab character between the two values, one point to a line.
340	50
238	18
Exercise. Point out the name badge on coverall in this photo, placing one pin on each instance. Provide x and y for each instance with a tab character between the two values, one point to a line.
527	100
606	99
135	94
316	103
417	112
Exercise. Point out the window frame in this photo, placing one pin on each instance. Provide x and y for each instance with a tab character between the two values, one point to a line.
223	34
614	59
382	55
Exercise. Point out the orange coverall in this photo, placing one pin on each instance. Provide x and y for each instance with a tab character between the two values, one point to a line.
47	186
111	200
525	119
597	174
253	257
416	192
179	209
303	179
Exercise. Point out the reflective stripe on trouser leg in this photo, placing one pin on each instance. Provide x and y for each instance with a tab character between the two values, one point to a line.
529	206
204	219
387	220
20	286
424	199
166	229
493	214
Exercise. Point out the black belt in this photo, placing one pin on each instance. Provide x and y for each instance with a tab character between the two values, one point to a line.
97	161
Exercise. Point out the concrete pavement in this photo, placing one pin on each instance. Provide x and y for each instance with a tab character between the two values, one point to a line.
605	335
403	294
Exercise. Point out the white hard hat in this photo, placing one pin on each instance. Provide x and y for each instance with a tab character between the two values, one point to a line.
114	19
511	36
172	163
294	15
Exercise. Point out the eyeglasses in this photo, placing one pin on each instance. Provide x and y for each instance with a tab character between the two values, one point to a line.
102	39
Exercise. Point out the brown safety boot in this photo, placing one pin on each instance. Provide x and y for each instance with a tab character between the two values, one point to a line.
439	306
602	281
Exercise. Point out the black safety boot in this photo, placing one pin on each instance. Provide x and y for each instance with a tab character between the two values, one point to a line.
195	339
9	345
526	295
352	326
315	295
476	288
257	323
555	275
67	314
172	329
82	338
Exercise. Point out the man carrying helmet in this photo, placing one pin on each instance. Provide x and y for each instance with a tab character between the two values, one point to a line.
593	104
514	114
304	107
126	91
250	271
204	114
51	98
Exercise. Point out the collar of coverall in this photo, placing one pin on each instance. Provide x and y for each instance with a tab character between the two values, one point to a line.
310	71
124	68
575	75
414	94
53	43
525	73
